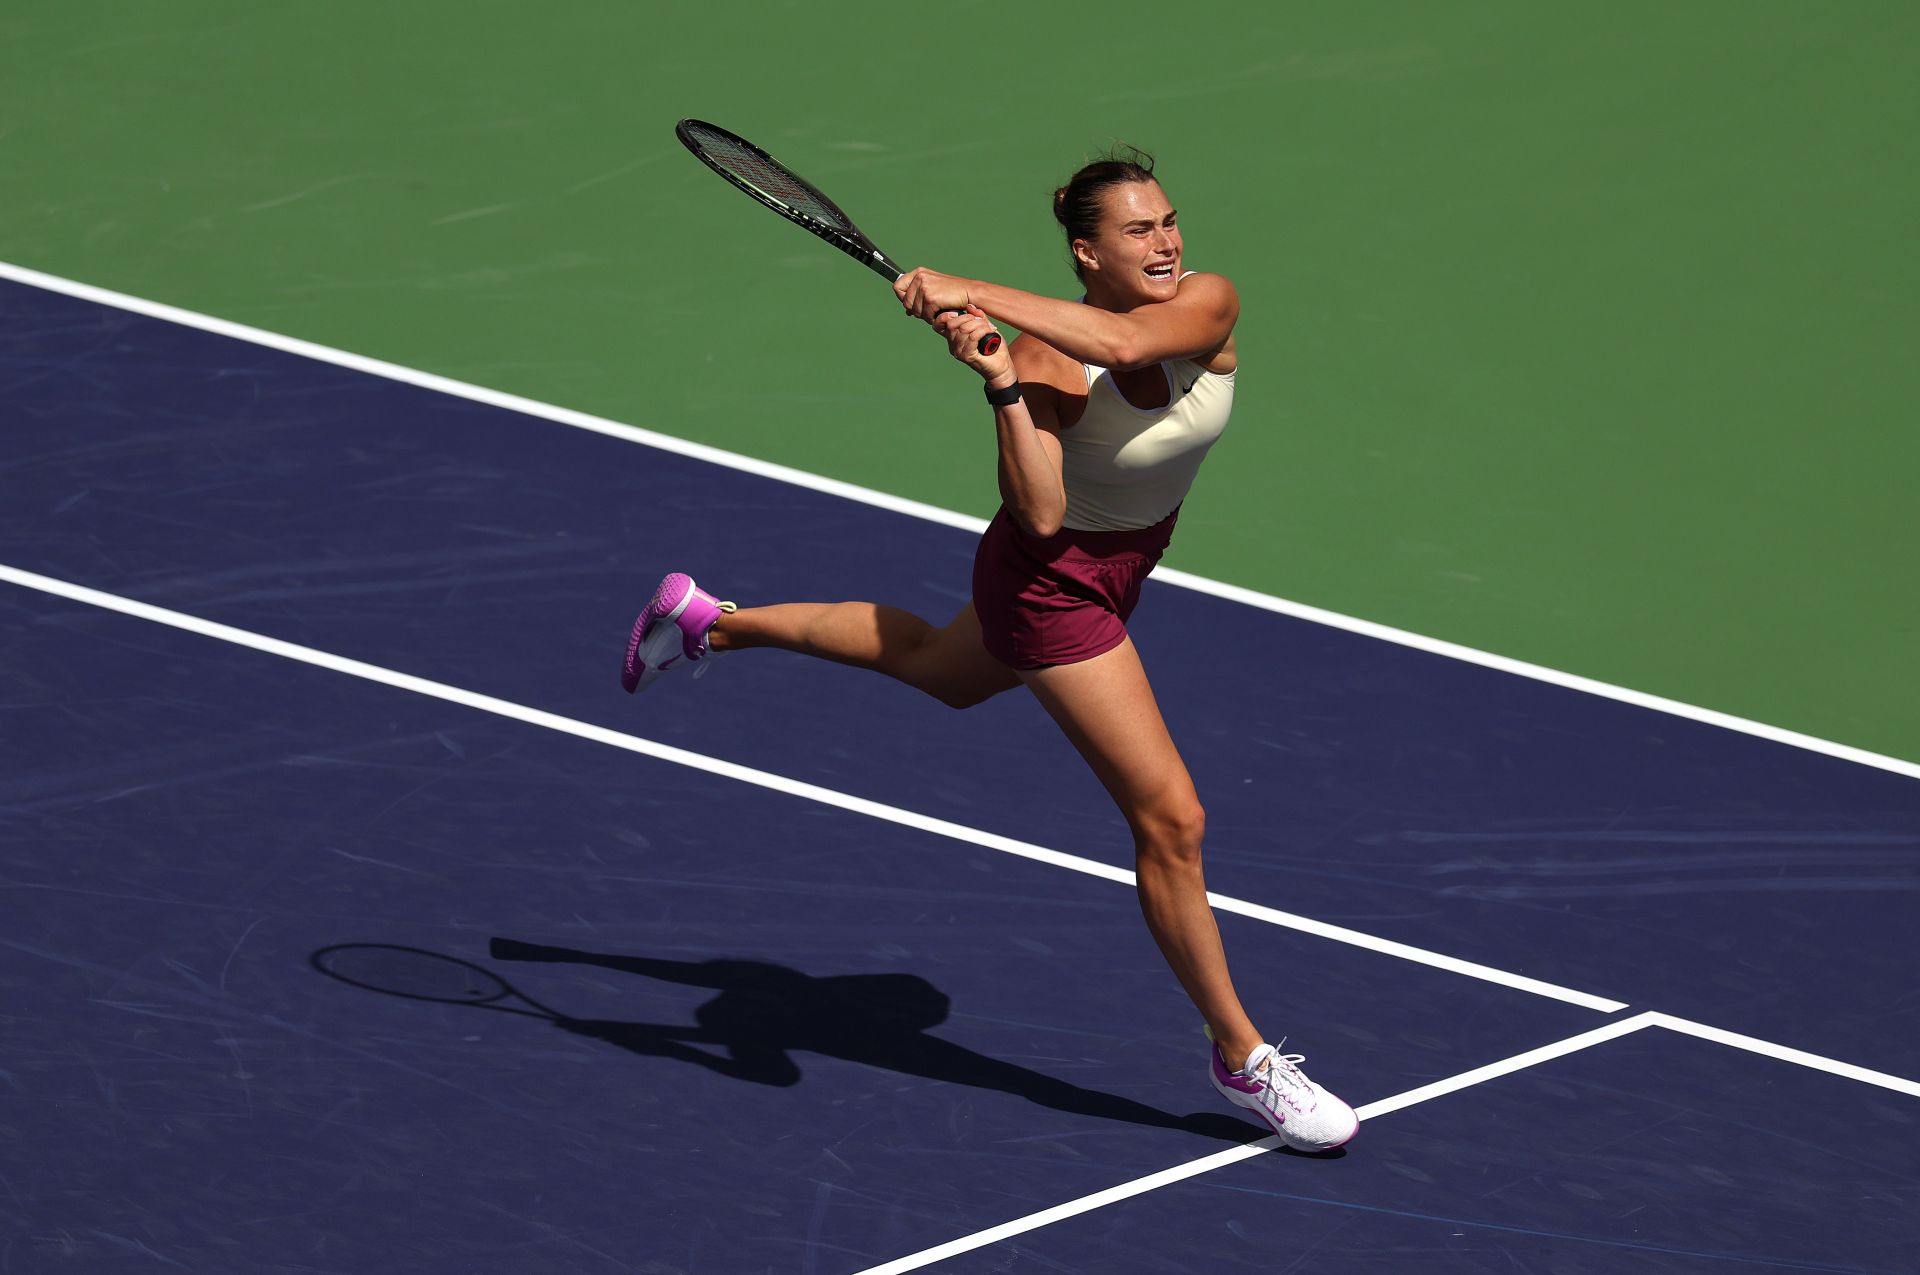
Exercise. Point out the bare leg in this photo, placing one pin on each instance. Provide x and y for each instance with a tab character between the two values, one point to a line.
1107	709
949	664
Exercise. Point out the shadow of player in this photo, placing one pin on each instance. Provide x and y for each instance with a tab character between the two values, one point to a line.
765	1013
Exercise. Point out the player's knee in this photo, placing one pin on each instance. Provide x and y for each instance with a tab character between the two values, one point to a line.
1173	830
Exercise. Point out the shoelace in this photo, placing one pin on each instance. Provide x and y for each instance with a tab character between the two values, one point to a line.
1289	1067
1285	1067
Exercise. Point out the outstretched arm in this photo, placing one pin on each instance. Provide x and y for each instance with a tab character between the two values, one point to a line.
1193	324
1030	483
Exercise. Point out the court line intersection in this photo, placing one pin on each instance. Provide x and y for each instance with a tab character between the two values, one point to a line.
1221	1159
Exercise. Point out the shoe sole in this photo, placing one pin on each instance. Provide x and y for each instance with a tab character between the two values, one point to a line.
634	674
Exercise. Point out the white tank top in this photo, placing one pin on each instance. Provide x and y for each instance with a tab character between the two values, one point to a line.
1126	467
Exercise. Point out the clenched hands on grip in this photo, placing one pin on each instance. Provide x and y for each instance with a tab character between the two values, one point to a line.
930	296
966	332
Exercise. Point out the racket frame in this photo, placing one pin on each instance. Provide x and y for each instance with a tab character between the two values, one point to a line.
850	240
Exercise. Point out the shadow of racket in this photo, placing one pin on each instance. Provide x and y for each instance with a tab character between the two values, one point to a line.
762	1015
416	974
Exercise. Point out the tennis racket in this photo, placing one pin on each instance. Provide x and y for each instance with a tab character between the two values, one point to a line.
765	178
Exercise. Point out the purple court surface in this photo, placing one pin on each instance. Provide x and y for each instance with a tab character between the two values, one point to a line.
309	971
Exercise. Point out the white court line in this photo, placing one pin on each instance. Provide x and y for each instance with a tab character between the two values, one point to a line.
776	783
929	824
1766	1047
933	513
938	827
941	827
1221	1159
1374	1110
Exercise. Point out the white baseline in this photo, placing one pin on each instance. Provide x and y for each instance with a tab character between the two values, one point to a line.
930	513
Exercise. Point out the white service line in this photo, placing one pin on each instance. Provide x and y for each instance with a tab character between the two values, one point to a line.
932	513
1519	1062
1221	1159
1754	1045
776	783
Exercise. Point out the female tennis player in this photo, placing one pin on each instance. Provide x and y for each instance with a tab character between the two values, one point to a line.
1104	408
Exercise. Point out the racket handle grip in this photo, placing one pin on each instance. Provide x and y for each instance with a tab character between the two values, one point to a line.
988	344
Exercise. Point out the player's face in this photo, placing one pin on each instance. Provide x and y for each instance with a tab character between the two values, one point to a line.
1135	258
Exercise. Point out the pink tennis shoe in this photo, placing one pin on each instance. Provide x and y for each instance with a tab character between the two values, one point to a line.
1273	1087
672	629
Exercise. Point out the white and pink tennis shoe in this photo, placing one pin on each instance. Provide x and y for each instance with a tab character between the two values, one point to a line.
671	630
1273	1087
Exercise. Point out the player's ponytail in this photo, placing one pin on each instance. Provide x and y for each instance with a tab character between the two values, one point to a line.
1078	204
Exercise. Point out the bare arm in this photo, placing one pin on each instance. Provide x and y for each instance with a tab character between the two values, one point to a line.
1030	483
1195	323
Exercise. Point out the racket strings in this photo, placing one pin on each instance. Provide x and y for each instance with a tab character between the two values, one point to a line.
412	973
767	176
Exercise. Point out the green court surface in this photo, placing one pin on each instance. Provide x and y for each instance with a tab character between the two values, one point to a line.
1579	334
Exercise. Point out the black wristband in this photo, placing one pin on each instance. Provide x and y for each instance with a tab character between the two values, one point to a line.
1006	396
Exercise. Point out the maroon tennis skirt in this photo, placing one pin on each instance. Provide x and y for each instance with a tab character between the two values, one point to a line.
1064	598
